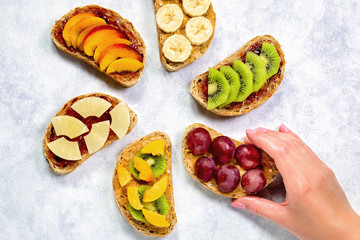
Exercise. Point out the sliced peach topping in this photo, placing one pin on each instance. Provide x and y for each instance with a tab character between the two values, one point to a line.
83	34
155	218
71	22
81	25
156	190
116	51
123	175
107	43
124	64
144	168
155	148
134	198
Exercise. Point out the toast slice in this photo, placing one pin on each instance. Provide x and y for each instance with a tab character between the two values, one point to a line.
198	86
197	51
120	192
126	79
62	166
189	159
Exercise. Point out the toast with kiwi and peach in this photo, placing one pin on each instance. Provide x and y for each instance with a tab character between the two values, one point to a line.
143	186
244	80
185	31
103	39
83	126
224	165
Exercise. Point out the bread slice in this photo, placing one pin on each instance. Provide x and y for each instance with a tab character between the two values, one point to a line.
197	51
61	166
189	159
120	192
127	79
255	99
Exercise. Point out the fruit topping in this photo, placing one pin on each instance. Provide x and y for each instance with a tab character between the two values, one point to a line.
198	30
223	149
195	8
271	57
107	43
246	80
155	148
169	18
133	197
258	68
234	82
136	214
218	89
116	51
84	33
205	168
156	190
65	149
144	169
123	175
155	218
68	126
120	120
82	25
248	156
227	178
91	106
72	21
177	48
253	181
97	136
199	141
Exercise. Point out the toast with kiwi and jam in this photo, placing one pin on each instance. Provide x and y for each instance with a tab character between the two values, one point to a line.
244	80
143	186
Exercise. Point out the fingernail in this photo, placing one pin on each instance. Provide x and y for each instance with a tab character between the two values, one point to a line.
238	205
246	139
284	127
261	129
250	131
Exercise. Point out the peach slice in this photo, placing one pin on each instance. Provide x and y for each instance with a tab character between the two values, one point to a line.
83	34
156	190
98	35
123	175
116	51
72	21
107	43
75	30
144	168
155	218
155	148
124	64
134	198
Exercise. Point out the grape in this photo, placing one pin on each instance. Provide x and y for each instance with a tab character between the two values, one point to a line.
199	141
227	178
223	149
205	168
247	156
253	181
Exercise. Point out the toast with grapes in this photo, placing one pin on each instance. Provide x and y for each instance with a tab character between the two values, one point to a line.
244	80
224	165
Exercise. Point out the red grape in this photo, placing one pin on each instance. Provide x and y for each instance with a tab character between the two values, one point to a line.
223	149
247	156
227	178
205	168
253	181
199	141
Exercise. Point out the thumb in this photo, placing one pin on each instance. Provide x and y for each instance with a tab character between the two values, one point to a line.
265	208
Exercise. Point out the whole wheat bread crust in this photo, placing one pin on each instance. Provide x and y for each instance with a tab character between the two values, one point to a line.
269	87
197	51
189	160
72	165
120	192
124	25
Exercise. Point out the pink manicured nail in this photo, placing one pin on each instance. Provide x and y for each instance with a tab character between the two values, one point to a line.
238	205
261	129
284	128
250	131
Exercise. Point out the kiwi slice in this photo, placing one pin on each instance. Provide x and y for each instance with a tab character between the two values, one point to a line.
157	164
234	81
142	189
258	68
136	214
246	80
160	205
218	89
271	57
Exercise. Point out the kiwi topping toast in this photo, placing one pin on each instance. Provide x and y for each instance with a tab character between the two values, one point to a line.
244	80
142	185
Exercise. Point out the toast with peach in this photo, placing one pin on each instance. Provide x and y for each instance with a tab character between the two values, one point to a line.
83	126
103	39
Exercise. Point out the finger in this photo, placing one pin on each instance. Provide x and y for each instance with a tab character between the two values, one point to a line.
247	140
286	130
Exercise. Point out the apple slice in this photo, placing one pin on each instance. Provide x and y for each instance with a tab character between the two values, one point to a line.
65	149
107	43
68	126
75	30
72	21
98	35
91	106
156	190
155	218
84	33
97	137
124	64
116	51
120	120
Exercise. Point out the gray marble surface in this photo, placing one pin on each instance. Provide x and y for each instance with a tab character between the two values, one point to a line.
318	99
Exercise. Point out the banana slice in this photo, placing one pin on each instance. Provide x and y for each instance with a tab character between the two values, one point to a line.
198	30
177	48
169	18
195	8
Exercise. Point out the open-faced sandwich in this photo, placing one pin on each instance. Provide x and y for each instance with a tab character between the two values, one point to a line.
185	31
103	39
83	126
142	184
224	165
244	80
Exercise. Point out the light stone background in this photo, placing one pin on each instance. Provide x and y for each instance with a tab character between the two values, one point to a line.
318	99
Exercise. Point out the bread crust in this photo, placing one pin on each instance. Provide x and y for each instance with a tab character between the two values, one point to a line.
197	51
120	192
127	79
72	165
266	91
189	159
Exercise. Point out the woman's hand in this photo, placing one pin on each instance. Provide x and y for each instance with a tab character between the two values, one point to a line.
315	206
